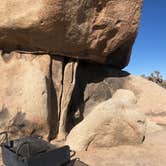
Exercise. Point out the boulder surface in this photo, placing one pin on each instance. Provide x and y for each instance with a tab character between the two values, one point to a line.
101	30
111	123
24	94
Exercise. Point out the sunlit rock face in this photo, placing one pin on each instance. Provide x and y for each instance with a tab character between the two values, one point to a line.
96	30
24	94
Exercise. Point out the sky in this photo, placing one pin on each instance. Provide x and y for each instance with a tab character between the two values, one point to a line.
149	51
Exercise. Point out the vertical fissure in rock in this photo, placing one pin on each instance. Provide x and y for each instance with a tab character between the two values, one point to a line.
68	84
56	77
62	83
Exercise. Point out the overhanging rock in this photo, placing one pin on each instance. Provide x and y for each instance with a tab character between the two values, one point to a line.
102	31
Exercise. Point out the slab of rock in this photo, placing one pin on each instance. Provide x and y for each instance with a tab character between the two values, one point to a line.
68	86
111	123
24	94
102	31
55	90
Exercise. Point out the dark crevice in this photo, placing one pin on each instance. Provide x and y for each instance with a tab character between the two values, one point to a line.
50	109
53	106
53	117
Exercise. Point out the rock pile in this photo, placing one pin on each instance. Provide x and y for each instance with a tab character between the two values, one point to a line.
61	77
49	85
43	44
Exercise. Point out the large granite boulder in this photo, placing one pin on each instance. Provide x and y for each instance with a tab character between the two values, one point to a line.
100	30
113	122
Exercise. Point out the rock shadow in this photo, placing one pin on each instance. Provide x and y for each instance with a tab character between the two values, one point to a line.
95	79
52	101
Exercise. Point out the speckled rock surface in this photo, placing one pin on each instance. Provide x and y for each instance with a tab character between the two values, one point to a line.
101	30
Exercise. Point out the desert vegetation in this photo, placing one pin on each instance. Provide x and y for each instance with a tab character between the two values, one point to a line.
156	77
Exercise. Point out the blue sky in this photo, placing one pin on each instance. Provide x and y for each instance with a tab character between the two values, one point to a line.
149	51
